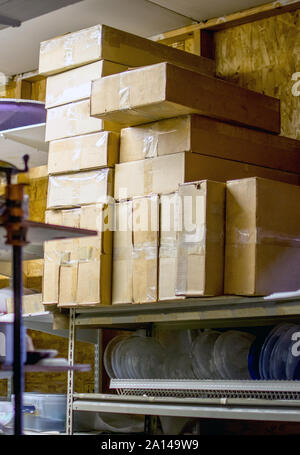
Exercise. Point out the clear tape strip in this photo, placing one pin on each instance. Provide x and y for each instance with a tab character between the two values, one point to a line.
260	235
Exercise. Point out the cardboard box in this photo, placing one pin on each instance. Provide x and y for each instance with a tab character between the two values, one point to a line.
76	84
200	269
32	303
168	264
135	264
78	271
106	43
57	252
262	237
82	188
163	174
94	281
161	91
170	225
96	217
197	134
74	119
145	226
91	151
145	274
54	253
122	287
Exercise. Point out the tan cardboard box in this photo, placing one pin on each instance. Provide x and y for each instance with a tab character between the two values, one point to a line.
96	217
145	221
197	134
163	174
74	119
262	237
201	241
122	287
155	139
90	151
76	84
55	252
170	225
82	188
145	274
161	91
106	43
168	264
78	271
135	264
32	303
94	281
59	252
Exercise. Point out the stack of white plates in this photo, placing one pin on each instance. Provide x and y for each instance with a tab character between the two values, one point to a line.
231	352
202	352
134	357
224	355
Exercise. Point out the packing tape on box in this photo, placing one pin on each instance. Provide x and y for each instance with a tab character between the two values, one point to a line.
74	185
151	142
88	254
168	251
262	236
124	94
125	101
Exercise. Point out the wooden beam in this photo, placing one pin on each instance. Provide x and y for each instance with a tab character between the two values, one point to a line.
23	89
232	20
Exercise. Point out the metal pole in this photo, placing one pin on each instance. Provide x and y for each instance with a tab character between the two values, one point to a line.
98	378
18	380
71	355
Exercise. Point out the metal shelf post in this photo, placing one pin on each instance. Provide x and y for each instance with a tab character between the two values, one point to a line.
71	357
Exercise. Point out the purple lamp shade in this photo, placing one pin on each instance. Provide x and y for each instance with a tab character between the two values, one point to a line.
18	113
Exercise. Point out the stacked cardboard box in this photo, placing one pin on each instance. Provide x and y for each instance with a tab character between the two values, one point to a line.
262	237
82	153
135	254
179	142
177	133
78	272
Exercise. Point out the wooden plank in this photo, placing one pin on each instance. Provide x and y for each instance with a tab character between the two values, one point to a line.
23	89
232	20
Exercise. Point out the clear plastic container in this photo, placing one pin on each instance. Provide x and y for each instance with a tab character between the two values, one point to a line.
44	412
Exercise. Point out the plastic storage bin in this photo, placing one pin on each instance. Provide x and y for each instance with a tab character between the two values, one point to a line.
44	412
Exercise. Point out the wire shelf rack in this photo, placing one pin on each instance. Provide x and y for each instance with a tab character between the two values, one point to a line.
240	389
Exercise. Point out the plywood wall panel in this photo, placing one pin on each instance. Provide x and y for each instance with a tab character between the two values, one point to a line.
263	56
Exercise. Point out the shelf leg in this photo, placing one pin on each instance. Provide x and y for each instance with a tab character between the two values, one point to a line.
98	363
18	370
71	356
150	424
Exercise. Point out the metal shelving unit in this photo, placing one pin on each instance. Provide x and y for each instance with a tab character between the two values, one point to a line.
221	312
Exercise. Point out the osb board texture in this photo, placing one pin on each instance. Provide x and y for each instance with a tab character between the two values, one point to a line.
36	90
263	56
57	382
37	191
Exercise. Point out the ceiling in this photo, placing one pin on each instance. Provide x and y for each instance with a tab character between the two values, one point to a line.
200	10
22	10
42	20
